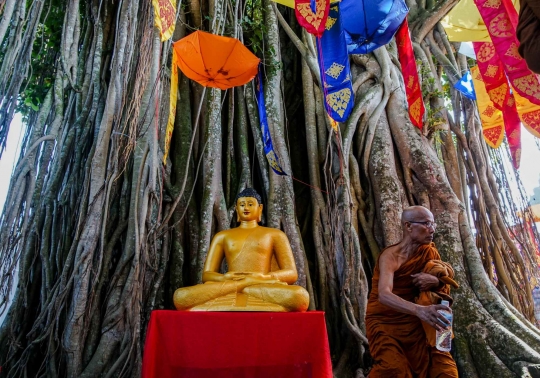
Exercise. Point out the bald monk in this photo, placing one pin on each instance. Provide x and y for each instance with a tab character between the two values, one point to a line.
261	268
397	340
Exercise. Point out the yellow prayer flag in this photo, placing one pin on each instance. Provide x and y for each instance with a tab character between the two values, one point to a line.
464	23
172	106
491	118
288	3
334	124
529	114
165	17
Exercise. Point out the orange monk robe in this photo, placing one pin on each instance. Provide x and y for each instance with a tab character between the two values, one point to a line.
397	341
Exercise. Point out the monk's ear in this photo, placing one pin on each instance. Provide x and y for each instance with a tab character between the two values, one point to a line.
260	213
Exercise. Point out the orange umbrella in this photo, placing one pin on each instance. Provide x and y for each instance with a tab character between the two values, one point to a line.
215	61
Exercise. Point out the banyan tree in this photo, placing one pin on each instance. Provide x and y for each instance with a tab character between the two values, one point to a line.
97	232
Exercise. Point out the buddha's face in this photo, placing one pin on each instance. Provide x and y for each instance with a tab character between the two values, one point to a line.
248	209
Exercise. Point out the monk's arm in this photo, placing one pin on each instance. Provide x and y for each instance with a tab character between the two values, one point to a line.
387	266
427	282
285	259
213	261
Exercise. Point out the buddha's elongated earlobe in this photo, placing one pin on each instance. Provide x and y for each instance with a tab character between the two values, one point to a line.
260	214
237	217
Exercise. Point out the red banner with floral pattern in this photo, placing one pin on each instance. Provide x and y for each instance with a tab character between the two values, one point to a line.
410	75
165	17
312	15
496	84
500	17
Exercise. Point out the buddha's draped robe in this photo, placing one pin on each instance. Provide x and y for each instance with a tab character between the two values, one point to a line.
397	341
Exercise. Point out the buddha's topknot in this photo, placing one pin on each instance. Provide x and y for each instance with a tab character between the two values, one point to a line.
249	192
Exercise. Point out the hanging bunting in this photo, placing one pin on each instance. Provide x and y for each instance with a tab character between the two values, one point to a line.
312	15
410	75
500	17
288	3
335	69
164	17
465	86
492	71
464	23
490	116
529	114
271	155
173	97
334	124
370	24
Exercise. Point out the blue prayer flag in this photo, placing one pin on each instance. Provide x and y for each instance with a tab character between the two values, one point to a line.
465	86
271	156
370	24
313	6
335	68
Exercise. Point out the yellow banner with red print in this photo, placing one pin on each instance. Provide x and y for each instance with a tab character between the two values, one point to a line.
165	17
172	105
491	117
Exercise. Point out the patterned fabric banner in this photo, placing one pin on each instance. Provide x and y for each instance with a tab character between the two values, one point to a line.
410	75
465	86
464	23
271	156
173	97
529	114
335	68
165	17
370	24
312	15
492	71
500	17
490	116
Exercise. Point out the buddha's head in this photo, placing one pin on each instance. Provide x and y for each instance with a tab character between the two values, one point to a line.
248	206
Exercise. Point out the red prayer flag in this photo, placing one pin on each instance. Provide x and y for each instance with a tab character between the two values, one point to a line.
410	75
314	21
501	17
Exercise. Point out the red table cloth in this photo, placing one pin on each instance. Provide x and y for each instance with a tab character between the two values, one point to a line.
236	344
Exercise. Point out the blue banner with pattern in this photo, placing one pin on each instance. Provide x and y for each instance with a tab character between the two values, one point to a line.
271	155
370	24
335	68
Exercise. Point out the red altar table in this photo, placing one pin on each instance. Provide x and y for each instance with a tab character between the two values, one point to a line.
236	344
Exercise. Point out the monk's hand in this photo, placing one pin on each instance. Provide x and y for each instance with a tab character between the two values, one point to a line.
431	315
424	281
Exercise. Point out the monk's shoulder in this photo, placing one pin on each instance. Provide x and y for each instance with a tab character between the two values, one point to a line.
389	257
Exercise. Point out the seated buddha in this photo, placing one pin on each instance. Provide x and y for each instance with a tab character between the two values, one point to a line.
260	263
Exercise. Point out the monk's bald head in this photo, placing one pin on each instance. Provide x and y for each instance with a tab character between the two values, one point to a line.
415	214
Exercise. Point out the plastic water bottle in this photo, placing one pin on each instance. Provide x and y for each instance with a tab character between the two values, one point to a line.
444	337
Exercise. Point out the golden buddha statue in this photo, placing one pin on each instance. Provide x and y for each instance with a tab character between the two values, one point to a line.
261	268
